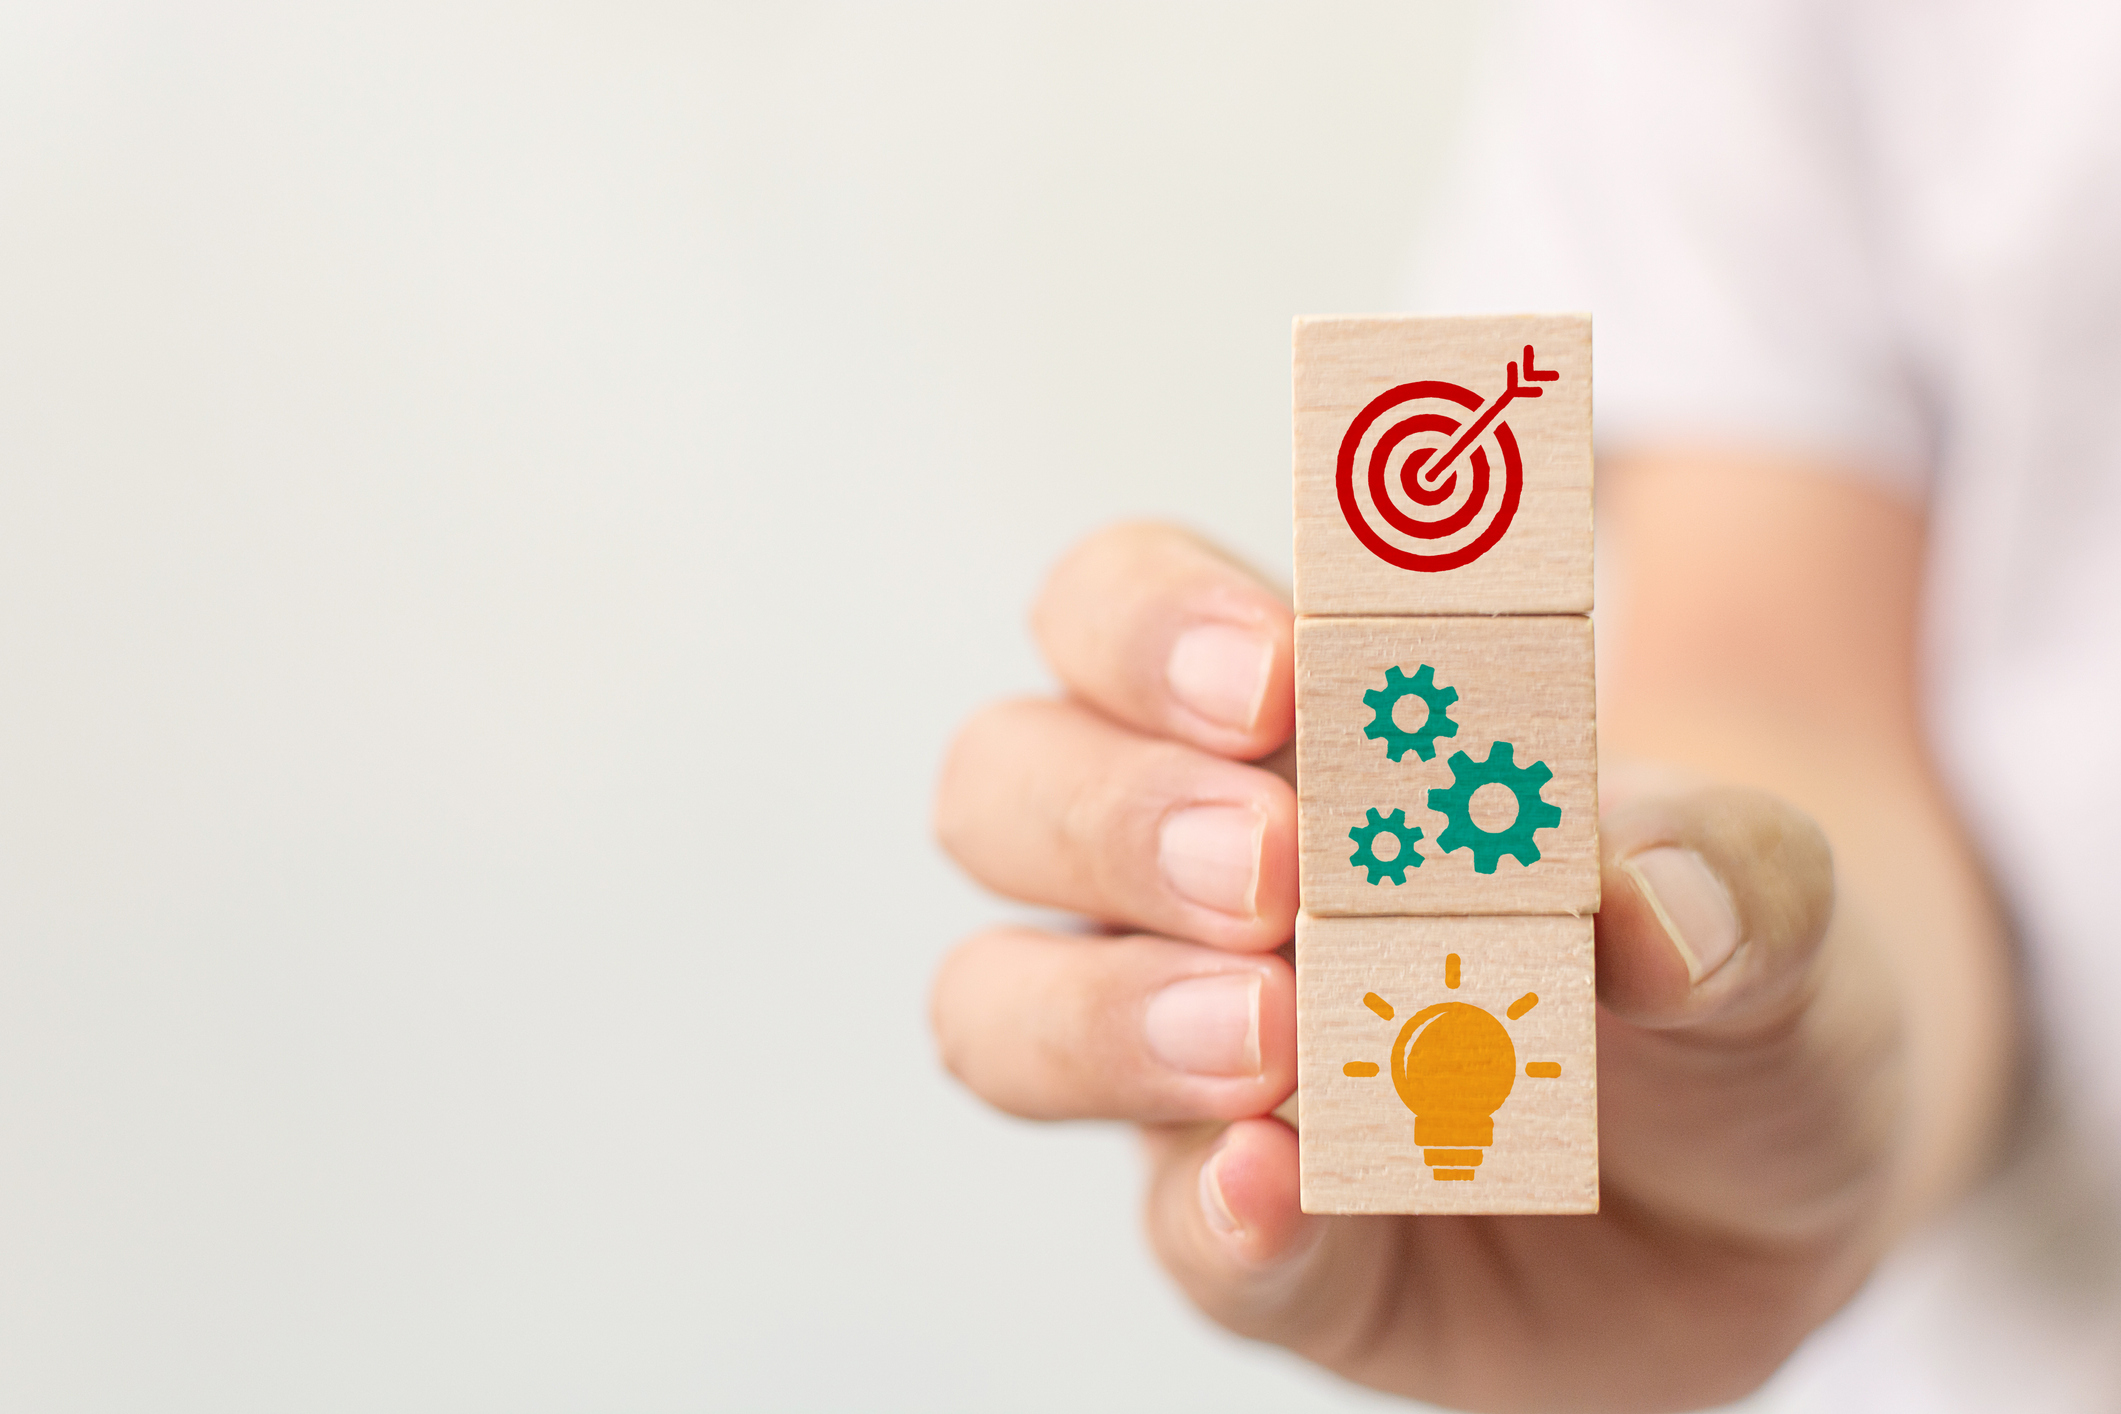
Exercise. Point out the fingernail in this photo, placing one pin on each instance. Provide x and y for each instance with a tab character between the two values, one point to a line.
1220	671
1691	903
1210	854
1207	1025
1212	1206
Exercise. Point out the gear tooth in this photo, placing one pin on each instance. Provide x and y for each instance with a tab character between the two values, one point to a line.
1533	811
1383	701
1365	858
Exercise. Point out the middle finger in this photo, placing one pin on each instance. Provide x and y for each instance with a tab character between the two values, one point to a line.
1050	803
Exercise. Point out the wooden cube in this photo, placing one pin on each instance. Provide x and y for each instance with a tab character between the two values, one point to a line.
1447	1065
1446	765
1443	465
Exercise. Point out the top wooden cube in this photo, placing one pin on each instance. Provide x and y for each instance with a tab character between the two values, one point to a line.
1443	465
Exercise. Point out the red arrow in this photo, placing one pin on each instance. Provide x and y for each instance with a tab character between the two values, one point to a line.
1432	474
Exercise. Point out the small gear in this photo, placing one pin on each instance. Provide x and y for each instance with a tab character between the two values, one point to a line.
1365	856
1456	805
1423	685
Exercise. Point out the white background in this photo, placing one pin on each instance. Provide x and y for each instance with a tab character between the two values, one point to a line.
500	510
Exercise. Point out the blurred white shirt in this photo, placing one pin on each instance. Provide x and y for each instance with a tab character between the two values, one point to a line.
1889	232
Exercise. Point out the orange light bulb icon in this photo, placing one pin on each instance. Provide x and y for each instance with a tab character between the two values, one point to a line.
1453	1066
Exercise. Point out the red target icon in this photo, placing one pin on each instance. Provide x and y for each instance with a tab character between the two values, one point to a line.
1418	471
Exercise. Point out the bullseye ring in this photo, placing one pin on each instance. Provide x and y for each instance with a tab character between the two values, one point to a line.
1457	498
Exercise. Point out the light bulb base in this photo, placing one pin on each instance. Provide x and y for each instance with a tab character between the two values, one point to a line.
1452	1165
1453	1131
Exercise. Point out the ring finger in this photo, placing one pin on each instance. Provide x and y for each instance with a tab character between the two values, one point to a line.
1138	1028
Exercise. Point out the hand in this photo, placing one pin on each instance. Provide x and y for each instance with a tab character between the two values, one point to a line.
1751	1070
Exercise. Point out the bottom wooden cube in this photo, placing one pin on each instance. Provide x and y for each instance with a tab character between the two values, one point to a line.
1447	1065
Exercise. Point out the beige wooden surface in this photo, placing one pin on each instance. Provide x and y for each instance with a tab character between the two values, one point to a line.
1526	681
1358	1137
1541	564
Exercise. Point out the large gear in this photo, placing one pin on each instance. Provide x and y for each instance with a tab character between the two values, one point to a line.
1423	685
1365	856
1456	805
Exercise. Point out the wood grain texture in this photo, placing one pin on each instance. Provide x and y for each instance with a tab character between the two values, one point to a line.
1541	564
1360	1146
1524	681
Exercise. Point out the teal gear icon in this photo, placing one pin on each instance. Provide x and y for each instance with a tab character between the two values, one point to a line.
1456	805
1365	856
1423	685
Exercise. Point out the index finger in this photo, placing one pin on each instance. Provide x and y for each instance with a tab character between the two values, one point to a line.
1156	629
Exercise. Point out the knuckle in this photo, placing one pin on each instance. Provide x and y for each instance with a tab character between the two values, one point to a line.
1118	557
1785	863
1066	1041
1085	1033
1107	829
1088	566
945	1019
958	819
1027	1024
1124	542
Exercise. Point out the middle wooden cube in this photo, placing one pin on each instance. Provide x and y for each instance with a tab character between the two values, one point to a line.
1447	765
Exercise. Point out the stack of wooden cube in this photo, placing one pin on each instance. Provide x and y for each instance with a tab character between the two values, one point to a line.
1446	765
